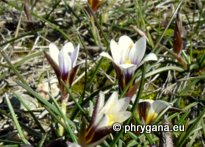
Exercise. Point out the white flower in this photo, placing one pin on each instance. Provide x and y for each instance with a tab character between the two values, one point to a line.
149	110
104	116
128	55
113	111
63	61
65	58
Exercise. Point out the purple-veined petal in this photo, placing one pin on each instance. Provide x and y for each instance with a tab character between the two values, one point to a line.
132	69
128	73
117	70
64	64
72	74
99	136
53	52
149	110
74	55
125	43
138	50
143	109
104	54
115	51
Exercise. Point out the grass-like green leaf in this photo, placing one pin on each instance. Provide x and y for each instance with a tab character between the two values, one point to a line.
185	135
15	120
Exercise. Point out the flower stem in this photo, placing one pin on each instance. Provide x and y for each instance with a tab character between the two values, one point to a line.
139	91
64	99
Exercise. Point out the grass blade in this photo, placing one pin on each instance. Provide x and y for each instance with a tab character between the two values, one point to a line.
15	120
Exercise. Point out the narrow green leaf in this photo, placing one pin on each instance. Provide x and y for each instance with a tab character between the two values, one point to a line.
15	120
183	138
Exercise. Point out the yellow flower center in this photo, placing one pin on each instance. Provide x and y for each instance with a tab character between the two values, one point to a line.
128	61
111	121
151	117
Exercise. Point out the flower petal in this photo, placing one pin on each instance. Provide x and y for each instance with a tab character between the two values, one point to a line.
151	115
128	69
121	116
99	136
68	48
53	52
115	51
101	100
150	109
104	54
117	70
123	104
126	66
158	106
145	110
150	57
53	64
64	64
131	70
125	43
111	103
99	105
72	74
74	55
113	111
103	122
138	50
